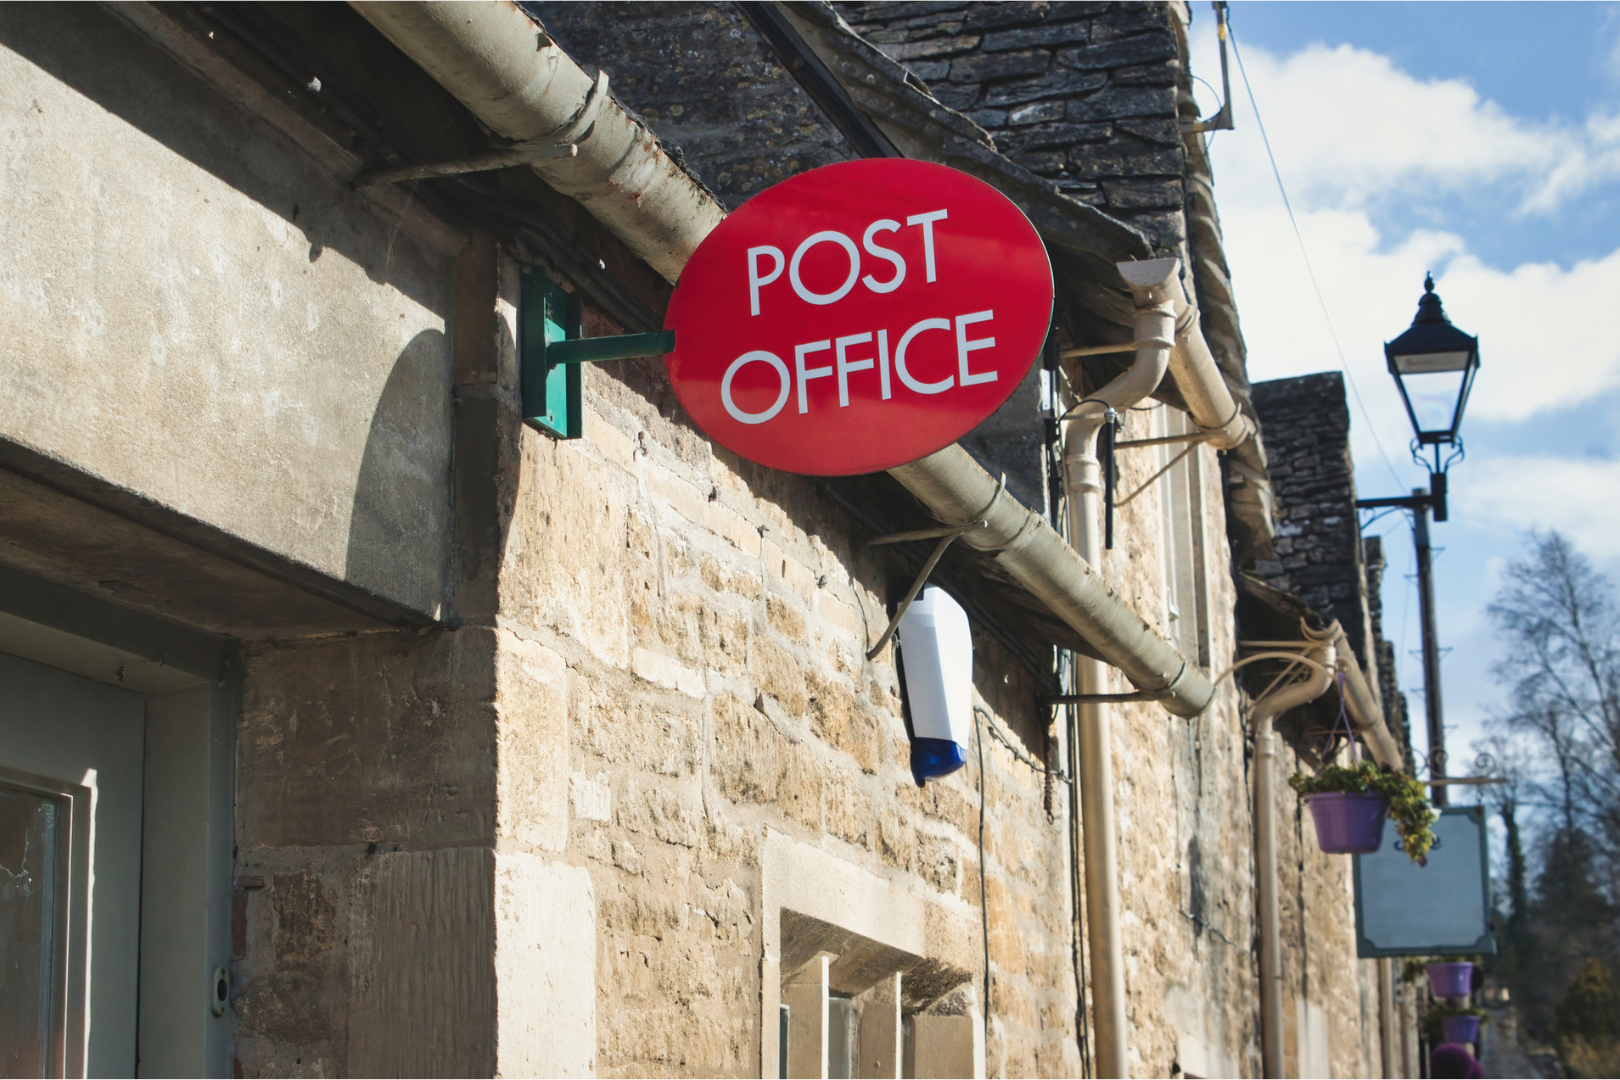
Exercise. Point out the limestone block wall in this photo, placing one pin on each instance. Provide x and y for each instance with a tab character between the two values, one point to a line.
1182	789
554	819
701	623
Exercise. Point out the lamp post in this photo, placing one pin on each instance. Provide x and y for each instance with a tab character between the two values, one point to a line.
1434	365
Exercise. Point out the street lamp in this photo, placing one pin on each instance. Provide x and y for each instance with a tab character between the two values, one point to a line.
1434	365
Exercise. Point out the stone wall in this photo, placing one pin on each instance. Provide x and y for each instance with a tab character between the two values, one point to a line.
539	837
1396	714
704	620
1083	94
1318	542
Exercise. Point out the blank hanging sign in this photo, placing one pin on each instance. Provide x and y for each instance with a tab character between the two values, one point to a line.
1444	908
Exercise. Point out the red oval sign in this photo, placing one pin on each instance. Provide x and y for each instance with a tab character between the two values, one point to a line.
858	316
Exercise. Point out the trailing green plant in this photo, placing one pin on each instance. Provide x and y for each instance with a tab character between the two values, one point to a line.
1439	1010
1408	803
1416	968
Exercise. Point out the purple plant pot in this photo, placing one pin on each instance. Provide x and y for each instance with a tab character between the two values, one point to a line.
1451	980
1460	1029
1348	824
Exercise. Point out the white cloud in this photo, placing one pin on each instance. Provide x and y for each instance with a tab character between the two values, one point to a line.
1349	129
1542	329
1573	495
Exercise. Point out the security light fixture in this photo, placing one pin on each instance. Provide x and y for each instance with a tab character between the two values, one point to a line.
1434	365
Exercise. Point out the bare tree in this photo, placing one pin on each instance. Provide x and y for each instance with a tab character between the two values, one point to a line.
1558	737
1558	617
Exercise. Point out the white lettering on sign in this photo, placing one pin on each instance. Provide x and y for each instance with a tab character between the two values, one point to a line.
872	247
900	358
964	346
805	376
846	365
767	263
740	415
843	365
754	280
830	236
869	241
927	222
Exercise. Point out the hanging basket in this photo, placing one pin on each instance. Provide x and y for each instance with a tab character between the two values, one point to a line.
1348	824
1451	980
1460	1029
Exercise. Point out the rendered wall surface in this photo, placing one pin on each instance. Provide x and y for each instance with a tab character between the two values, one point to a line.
201	314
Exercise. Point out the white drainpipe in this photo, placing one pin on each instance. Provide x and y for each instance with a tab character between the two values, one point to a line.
1154	283
1265	842
1198	377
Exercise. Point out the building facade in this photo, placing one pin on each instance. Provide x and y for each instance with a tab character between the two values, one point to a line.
368	729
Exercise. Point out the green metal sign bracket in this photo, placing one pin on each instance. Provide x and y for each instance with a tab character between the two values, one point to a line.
550	351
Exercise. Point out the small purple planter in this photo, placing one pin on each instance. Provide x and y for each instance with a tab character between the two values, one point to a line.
1348	824
1451	980
1460	1029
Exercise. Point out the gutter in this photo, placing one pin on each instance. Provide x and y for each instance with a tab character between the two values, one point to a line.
515	79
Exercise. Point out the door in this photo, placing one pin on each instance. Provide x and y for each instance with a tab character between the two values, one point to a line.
71	754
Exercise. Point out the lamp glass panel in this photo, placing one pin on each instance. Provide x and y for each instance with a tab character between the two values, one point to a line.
1422	363
1434	397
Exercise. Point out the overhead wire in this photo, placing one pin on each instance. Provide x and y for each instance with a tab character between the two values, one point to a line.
1309	268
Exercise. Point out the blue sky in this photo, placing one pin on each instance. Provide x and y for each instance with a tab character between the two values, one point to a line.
1480	141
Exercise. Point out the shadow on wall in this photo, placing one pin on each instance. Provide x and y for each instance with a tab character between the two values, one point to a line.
93	52
399	529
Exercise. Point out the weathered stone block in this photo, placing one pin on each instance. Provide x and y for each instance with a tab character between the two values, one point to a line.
1047	36
1121	53
982	67
778	674
545	967
1051	85
531	708
984	16
748	749
799	792
928	48
1061	135
849	810
938	862
1116	103
1035	113
1143	194
1165	132
660	812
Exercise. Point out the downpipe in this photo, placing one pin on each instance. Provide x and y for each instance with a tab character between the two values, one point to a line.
1267	912
1198	377
1150	282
